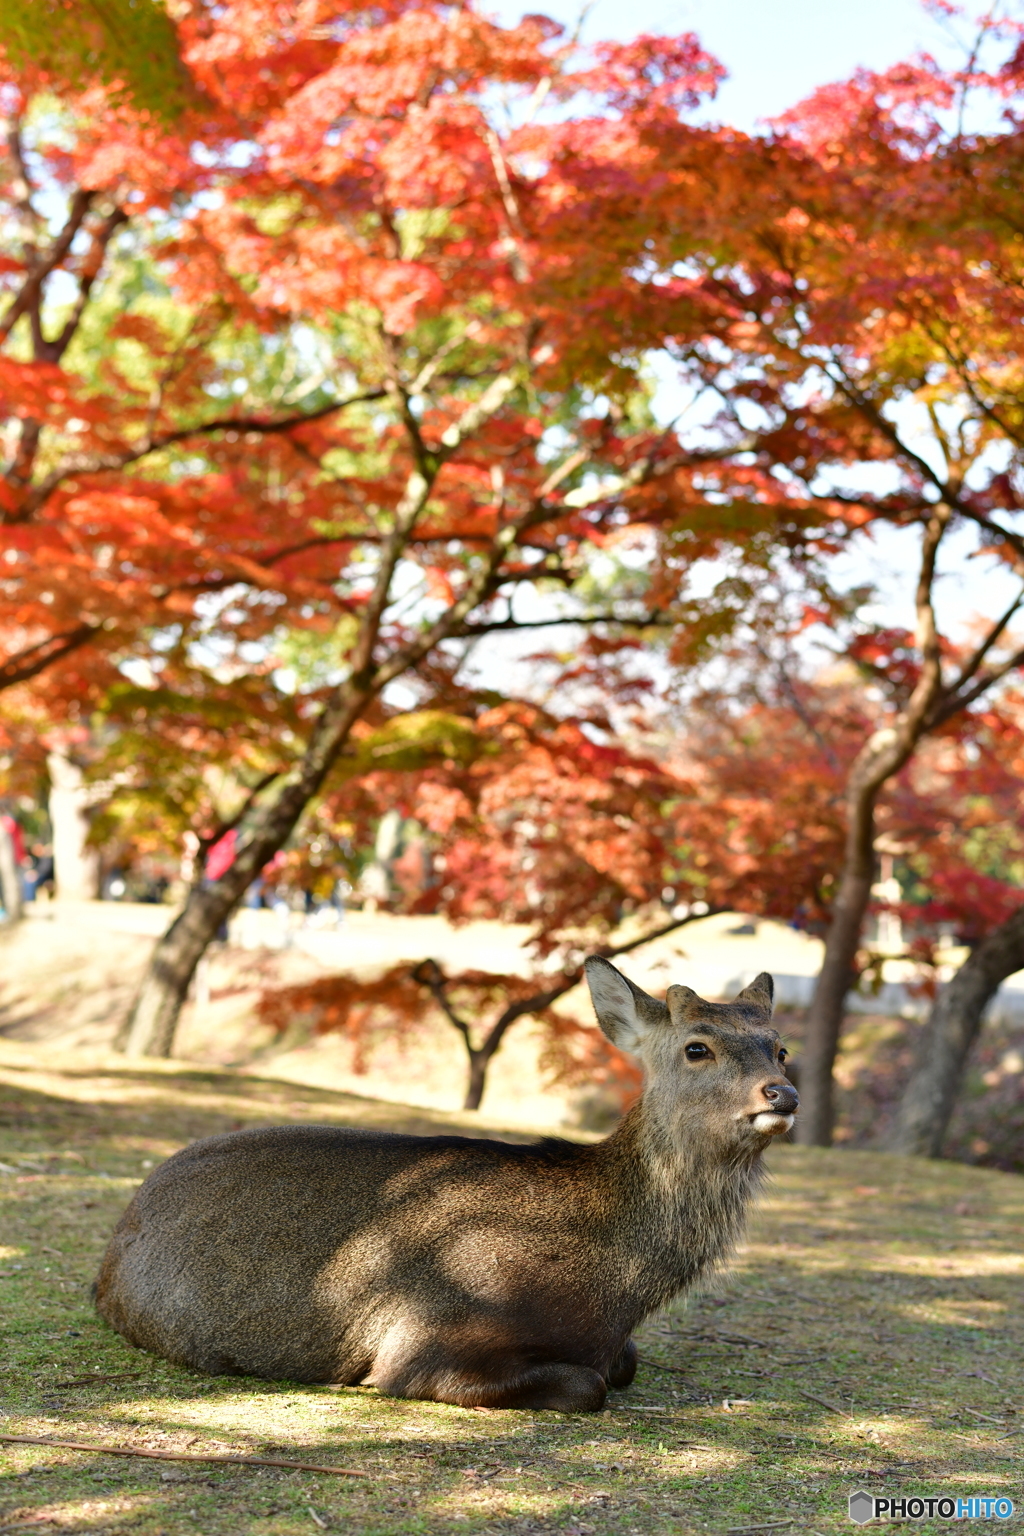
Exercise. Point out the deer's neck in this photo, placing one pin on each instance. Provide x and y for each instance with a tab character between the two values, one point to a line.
680	1207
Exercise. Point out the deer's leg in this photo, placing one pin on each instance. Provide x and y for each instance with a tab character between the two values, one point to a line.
565	1388
623	1367
555	1384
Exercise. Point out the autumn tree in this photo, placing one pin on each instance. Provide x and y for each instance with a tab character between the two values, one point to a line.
549	821
867	287
348	351
409	300
481	1006
973	872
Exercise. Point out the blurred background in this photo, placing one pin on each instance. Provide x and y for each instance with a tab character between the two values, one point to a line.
484	489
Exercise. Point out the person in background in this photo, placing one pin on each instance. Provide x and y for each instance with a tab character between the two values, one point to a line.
39	871
219	860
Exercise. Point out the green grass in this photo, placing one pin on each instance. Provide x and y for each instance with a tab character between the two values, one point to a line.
890	1290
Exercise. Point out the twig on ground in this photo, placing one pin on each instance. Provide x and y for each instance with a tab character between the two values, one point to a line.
131	1450
316	1519
992	1419
677	1370
843	1414
762	1525
83	1381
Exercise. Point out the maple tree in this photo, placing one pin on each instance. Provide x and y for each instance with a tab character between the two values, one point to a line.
869	311
530	819
338	221
481	1006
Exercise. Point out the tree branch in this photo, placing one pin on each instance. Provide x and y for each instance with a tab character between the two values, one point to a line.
541	1000
971	666
34	659
54	350
84	464
429	974
31	290
224	827
946	709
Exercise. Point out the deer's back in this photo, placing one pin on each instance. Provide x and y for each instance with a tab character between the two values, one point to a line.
293	1251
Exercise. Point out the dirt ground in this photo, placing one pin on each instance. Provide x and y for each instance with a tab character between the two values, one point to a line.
870	1334
67	978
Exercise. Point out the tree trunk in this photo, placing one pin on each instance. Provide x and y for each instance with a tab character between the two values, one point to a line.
836	977
10	878
149	1029
887	751
953	1026
75	864
478	1064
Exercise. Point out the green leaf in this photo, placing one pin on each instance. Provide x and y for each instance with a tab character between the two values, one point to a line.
130	45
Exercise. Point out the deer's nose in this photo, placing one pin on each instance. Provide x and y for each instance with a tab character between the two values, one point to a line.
782	1097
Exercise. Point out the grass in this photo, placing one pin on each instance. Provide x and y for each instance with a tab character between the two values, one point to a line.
888	1290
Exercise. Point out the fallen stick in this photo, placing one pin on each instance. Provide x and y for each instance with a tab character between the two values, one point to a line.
830	1406
126	1450
764	1525
83	1381
677	1370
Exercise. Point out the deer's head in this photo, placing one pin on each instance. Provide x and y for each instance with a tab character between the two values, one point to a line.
714	1070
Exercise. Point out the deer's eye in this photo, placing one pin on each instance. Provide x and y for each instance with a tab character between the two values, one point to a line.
783	1054
696	1052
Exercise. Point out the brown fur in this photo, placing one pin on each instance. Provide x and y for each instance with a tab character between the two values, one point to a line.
467	1271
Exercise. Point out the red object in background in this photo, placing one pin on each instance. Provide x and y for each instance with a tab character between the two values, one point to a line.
222	855
14	832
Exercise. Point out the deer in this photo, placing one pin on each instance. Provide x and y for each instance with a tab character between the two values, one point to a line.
462	1270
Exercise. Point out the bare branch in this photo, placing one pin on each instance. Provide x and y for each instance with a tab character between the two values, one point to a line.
653	620
28	663
94	1449
971	666
90	271
224	827
27	300
429	974
569	979
93	464
946	708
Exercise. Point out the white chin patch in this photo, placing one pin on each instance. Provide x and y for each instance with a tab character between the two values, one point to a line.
772	1125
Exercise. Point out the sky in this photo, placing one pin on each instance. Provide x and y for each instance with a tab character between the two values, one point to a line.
776	51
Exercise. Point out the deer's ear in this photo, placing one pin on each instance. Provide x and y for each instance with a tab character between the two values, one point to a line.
624	1011
760	991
